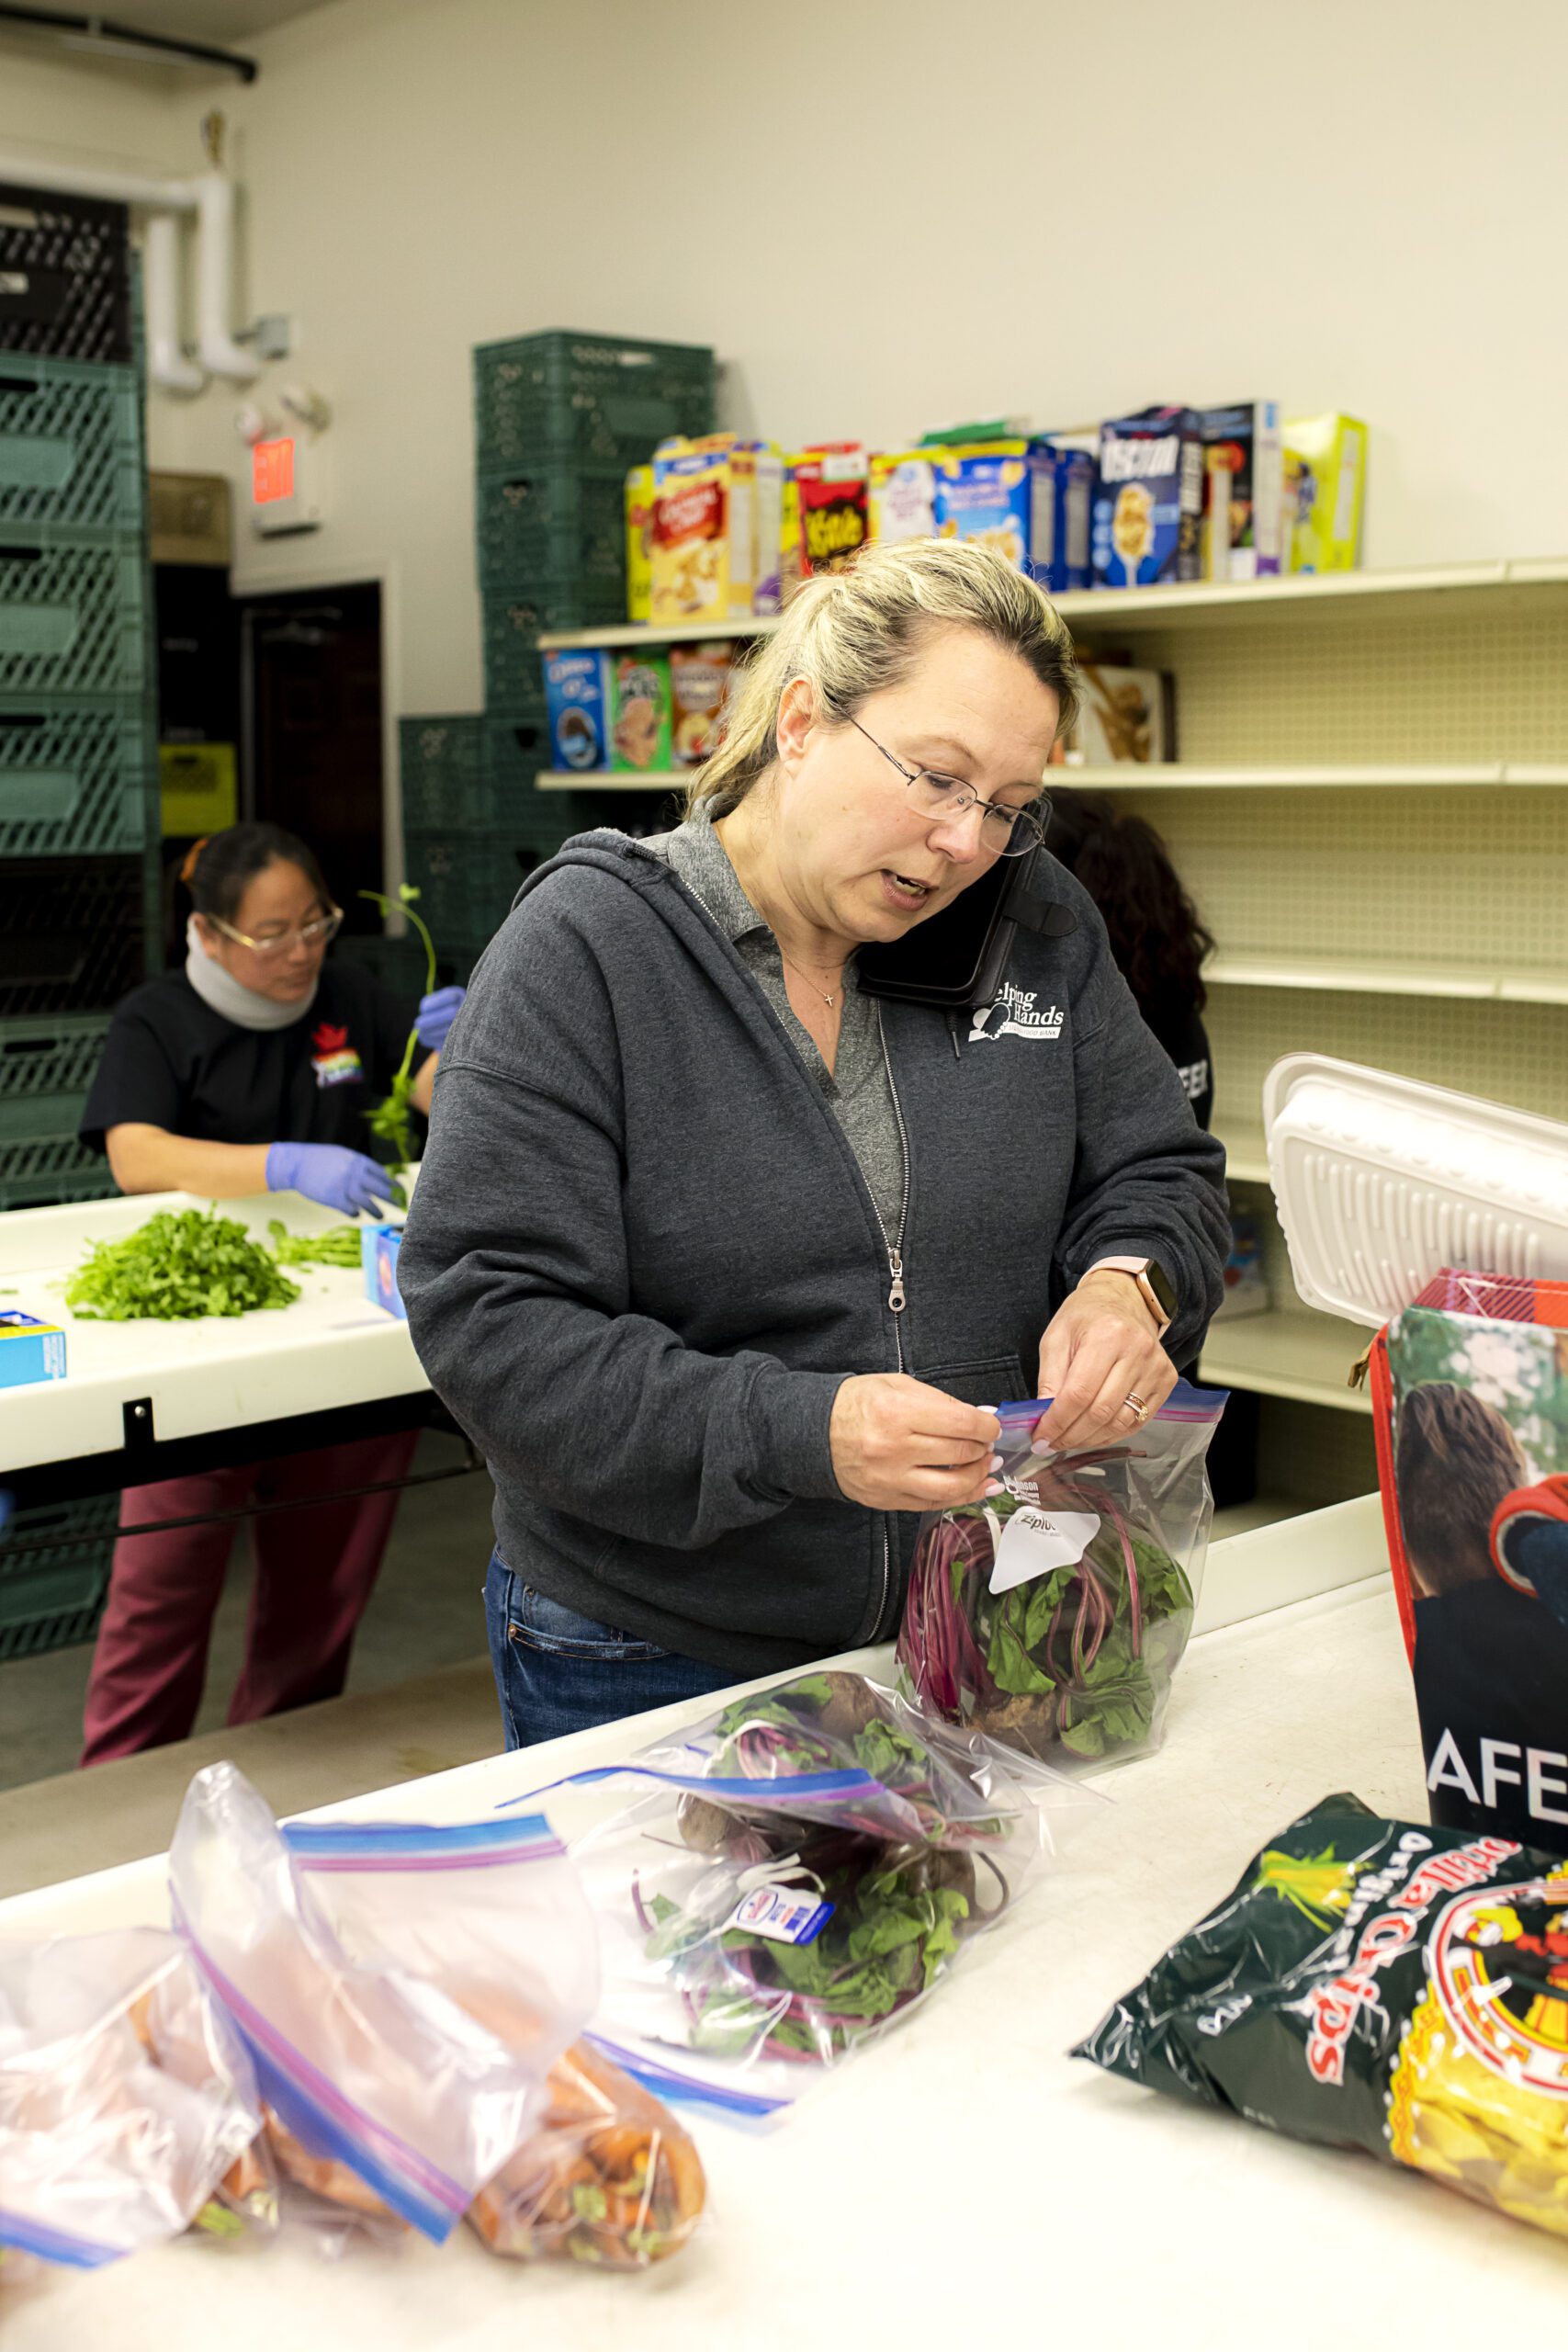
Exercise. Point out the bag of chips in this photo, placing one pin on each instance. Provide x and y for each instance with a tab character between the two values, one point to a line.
1383	1985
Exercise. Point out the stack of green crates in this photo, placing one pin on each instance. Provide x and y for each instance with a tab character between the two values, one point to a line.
558	419
54	1574
79	871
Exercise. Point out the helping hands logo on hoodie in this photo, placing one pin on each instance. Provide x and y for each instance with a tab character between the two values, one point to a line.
1015	1013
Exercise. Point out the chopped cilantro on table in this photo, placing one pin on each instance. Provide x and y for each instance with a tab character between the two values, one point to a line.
181	1264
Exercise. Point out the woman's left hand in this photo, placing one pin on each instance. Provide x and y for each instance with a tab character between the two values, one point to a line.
436	1015
1099	1348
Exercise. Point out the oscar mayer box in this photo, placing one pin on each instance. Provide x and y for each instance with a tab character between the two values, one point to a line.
640	710
703	529
901	495
1325	488
831	483
1243	485
1148	498
639	544
699	689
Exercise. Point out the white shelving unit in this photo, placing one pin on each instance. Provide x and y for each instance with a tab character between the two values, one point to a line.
1370	810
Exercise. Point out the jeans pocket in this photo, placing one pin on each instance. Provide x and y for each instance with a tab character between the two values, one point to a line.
537	1622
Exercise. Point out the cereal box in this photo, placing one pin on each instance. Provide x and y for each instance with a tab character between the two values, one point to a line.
985	494
791	559
577	700
699	690
30	1351
639	544
832	489
1243	484
378	1248
1325	488
767	586
901	495
703	529
1061	494
1147	499
640	710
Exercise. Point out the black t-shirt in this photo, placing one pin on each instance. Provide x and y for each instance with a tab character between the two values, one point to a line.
171	1061
1491	1664
1179	1029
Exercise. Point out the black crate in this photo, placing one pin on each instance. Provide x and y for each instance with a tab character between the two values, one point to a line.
75	616
71	453
514	616
586	400
76	777
553	522
64	275
74	934
54	1574
398	964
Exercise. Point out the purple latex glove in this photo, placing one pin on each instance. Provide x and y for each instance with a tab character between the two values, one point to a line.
329	1172
436	1015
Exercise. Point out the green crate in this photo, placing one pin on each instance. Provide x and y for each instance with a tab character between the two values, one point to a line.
71	446
56	1056
54	1574
77	933
76	777
586	400
466	881
514	616
42	1160
398	964
443	763
517	749
566	523
75	616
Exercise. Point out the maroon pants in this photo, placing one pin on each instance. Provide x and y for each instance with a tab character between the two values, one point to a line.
315	1568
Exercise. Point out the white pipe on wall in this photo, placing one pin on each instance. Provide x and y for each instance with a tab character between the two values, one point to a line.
166	362
87	179
214	256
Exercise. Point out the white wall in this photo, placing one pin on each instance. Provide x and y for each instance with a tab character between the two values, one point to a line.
891	214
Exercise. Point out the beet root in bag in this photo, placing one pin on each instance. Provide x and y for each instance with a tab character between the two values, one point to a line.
1377	1985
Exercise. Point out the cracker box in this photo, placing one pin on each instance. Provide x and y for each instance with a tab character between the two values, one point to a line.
1148	498
30	1351
832	487
985	494
1061	495
1324	488
901	495
577	700
1242	488
699	691
639	544
378	1247
1123	715
640	710
703	529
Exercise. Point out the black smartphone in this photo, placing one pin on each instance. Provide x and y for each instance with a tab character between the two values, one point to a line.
960	956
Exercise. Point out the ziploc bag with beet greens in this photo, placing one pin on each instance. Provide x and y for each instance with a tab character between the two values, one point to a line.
793	1878
1054	1616
384	2092
1377	1985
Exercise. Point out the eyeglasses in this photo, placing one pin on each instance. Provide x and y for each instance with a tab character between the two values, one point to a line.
314	933
1006	832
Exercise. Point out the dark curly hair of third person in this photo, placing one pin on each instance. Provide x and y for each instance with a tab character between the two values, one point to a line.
1157	937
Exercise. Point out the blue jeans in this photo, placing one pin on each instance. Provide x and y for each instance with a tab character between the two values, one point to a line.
556	1671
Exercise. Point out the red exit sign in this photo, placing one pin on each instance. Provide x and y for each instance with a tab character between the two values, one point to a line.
272	470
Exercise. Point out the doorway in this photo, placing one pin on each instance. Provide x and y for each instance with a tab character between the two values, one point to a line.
312	731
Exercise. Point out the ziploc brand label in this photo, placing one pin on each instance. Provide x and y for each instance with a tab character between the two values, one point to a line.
783	1915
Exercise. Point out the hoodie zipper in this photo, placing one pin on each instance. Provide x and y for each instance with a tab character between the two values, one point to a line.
897	1297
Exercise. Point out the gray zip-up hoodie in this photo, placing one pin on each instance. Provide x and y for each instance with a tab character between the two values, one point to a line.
641	1257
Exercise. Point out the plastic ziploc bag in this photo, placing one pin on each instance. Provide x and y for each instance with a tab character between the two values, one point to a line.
383	2092
604	2175
1054	1617
126	2100
793	1877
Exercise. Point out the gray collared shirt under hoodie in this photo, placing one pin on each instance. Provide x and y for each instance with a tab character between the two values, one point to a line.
643	1254
858	1087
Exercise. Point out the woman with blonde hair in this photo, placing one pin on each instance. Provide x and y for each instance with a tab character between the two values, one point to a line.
725	1260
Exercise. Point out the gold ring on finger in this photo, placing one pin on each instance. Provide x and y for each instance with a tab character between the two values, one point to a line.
1135	1405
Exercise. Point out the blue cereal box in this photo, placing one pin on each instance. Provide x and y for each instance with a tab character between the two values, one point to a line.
577	694
1243	477
378	1247
1148	499
1061	487
984	494
30	1351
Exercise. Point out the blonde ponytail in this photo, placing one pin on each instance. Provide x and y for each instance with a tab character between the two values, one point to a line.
852	633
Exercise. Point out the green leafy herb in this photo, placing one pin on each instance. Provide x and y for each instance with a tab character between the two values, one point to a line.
180	1264
339	1245
391	1122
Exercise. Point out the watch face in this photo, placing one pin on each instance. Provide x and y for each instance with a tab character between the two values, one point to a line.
1160	1283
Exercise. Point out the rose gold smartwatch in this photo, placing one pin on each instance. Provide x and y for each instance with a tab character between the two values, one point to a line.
1154	1286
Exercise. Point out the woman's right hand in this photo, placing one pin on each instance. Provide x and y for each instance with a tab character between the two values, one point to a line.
900	1445
331	1173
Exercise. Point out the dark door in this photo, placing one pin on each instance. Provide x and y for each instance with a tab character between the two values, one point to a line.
312	677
